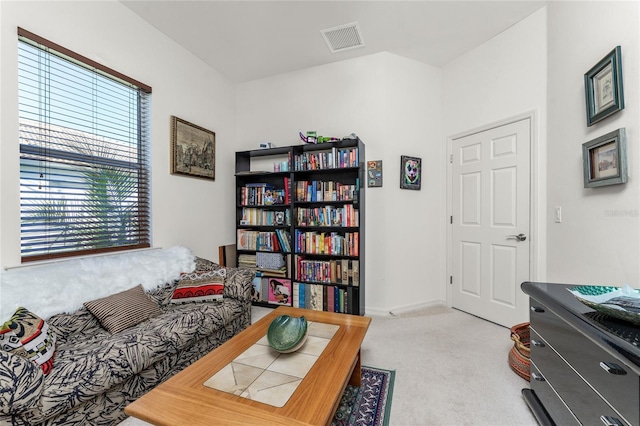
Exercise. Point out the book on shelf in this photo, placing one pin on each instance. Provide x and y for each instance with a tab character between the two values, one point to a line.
260	217
248	239
295	298
355	272
247	261
331	159
333	243
285	239
261	194
321	297
252	172
345	271
287	190
256	289
325	191
334	271
345	216
330	296
282	272
315	297
279	291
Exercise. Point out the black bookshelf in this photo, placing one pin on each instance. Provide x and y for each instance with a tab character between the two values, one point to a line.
300	221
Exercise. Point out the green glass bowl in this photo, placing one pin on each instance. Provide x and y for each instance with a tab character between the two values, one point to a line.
287	334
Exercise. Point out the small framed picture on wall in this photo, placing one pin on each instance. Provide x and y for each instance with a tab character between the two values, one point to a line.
410	172
193	150
603	87
374	173
605	160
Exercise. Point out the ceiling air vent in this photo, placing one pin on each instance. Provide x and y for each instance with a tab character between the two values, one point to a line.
343	37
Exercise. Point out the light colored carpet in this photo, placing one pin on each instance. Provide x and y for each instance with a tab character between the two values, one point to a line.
451	369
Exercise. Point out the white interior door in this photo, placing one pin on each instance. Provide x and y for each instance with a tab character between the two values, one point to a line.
490	222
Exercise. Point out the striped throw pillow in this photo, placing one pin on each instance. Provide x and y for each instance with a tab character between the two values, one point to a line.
123	310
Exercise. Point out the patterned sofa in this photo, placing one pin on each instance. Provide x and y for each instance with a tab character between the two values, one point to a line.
96	373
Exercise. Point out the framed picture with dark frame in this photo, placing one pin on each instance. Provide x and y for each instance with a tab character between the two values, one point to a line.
193	150
604	160
374	173
410	172
603	87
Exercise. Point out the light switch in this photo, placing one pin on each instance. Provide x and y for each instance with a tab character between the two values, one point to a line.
558	214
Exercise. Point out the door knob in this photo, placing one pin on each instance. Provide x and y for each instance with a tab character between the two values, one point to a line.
519	237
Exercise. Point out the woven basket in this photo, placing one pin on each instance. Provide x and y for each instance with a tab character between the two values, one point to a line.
520	354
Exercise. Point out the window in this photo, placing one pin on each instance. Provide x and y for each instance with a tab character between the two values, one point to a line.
84	139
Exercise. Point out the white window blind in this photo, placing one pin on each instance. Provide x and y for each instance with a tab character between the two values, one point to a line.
84	139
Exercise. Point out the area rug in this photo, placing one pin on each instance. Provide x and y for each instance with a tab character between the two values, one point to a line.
369	404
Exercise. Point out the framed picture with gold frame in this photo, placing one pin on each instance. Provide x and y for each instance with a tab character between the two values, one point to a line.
603	87
193	150
604	160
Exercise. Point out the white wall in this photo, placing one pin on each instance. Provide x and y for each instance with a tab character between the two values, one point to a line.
393	104
503	78
185	211
598	239
397	106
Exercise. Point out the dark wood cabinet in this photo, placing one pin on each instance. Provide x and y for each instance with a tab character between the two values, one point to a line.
585	366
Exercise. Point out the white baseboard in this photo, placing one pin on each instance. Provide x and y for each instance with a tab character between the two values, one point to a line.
392	311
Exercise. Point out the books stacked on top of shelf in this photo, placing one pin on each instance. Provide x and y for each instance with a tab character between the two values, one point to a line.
252	172
247	261
336	158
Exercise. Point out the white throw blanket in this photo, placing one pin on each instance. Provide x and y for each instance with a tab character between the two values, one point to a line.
64	286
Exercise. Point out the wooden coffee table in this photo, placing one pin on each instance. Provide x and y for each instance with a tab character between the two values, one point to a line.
184	400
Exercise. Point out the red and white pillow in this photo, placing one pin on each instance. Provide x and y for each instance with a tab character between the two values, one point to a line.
200	286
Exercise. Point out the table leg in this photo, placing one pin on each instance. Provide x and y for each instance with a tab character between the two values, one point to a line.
356	375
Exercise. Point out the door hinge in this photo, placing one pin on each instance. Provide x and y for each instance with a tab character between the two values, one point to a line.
451	220
451	158
450	279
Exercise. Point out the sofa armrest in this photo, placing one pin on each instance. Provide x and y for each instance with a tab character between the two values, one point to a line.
21	384
238	283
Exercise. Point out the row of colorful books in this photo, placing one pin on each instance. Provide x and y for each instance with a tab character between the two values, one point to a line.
328	216
335	271
262	217
261	194
321	297
278	240
336	158
333	243
316	190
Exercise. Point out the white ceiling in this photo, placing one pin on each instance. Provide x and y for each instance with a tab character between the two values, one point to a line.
248	40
